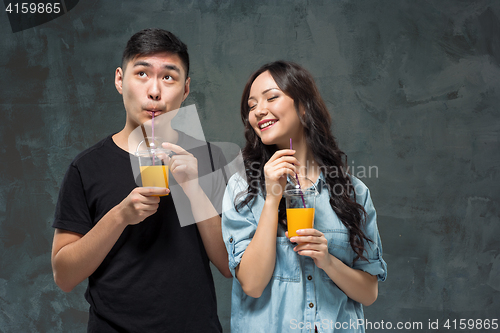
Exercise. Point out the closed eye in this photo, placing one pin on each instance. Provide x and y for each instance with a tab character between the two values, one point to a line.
272	98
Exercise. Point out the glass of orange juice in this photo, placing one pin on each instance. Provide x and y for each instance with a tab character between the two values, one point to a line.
154	172
300	197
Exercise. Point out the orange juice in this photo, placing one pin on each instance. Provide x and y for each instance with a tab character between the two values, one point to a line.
299	218
154	176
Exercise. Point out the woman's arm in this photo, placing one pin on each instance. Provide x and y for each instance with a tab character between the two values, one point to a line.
257	263
356	284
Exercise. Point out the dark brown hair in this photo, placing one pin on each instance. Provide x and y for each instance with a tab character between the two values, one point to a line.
298	84
150	41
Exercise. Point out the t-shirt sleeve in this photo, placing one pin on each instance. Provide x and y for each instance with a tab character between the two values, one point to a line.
220	180
72	212
373	250
238	226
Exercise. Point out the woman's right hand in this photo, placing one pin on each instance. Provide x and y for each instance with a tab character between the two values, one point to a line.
281	164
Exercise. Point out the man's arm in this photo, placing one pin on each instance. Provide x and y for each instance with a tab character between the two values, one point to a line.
75	257
184	168
210	230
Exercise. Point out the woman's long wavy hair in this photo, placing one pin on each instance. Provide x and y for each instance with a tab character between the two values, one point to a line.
299	85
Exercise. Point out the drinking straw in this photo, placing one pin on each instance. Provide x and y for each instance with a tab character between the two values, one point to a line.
148	145
153	126
298	183
145	135
153	133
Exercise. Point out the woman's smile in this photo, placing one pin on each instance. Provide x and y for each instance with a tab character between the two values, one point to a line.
266	124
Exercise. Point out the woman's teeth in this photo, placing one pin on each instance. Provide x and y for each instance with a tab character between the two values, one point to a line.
267	124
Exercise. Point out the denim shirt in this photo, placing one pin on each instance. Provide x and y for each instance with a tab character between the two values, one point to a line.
299	295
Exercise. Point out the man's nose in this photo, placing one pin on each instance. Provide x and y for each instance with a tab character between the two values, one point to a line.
154	91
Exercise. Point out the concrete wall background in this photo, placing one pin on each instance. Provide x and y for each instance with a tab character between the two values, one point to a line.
413	88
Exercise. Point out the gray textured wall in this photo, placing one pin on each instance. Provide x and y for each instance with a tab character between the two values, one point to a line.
413	88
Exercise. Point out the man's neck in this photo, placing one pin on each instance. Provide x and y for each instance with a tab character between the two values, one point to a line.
121	139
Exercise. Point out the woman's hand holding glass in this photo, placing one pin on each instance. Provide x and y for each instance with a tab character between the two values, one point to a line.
312	243
281	164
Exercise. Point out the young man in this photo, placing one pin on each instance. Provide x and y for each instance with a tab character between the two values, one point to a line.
146	273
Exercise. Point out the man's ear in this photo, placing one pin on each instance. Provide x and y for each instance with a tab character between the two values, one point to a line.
186	88
119	80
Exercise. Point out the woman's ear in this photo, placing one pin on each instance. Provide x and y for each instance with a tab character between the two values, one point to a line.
302	114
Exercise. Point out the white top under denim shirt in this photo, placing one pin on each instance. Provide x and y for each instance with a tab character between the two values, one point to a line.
300	295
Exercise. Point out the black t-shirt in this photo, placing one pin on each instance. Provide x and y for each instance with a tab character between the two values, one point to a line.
157	276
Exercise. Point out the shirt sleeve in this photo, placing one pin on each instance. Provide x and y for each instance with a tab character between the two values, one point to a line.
238	226
373	250
220	180
72	212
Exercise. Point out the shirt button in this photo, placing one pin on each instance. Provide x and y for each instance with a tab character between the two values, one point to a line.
311	305
231	240
309	277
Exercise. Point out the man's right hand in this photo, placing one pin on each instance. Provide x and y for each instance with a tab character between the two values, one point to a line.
141	203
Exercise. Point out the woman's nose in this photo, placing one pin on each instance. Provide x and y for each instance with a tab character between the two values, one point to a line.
261	111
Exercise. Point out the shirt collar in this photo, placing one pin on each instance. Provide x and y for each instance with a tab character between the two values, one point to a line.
320	182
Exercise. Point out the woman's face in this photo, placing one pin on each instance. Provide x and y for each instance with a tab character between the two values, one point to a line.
272	113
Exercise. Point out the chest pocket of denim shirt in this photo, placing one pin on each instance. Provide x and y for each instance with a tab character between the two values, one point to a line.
287	266
339	247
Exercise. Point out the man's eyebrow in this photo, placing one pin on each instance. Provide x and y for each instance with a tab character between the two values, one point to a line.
172	68
147	64
142	63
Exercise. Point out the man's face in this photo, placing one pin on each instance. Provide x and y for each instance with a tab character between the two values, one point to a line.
151	84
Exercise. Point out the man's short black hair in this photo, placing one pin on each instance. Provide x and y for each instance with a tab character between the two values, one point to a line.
150	41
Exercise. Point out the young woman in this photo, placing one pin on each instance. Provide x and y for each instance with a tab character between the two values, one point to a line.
319	280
